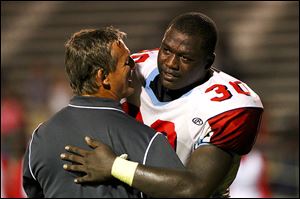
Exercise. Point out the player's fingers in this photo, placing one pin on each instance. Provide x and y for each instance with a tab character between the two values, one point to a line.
92	143
76	150
72	158
124	156
83	179
72	167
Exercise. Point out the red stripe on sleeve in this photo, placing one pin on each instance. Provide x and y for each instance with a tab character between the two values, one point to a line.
236	130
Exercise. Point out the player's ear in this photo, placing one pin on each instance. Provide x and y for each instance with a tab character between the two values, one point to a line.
210	60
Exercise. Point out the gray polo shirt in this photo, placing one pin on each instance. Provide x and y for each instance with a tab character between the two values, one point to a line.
102	119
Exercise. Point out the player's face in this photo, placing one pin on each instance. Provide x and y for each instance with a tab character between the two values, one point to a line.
120	79
181	60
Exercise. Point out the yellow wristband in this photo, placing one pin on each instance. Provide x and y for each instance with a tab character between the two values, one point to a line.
124	170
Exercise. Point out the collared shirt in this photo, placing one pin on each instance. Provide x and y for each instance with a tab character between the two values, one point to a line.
101	119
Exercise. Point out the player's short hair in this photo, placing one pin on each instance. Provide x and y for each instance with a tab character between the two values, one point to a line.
196	23
86	52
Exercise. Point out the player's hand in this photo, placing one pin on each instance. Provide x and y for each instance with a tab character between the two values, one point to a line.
96	163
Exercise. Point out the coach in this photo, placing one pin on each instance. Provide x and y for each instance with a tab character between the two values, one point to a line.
99	67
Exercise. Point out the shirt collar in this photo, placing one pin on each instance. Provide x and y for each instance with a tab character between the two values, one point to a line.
96	102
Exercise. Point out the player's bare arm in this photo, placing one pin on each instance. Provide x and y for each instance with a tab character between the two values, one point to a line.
205	170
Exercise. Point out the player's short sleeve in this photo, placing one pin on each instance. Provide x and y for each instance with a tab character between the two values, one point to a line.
234	130
161	154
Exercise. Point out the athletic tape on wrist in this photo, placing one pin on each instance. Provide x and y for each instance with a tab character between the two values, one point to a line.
124	170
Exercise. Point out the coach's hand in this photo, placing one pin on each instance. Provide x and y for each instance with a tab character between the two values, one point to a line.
96	164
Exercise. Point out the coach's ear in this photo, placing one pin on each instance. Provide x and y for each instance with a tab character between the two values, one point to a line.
102	79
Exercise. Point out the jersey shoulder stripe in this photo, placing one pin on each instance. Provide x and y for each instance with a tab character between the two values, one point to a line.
145	61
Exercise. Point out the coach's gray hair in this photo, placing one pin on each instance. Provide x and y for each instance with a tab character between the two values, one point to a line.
86	52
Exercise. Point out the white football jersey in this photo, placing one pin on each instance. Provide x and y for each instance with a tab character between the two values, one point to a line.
223	111
251	184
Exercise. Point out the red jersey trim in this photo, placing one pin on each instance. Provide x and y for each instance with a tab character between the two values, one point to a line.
132	110
236	130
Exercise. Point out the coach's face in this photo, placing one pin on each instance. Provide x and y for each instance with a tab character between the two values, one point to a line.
120	79
182	60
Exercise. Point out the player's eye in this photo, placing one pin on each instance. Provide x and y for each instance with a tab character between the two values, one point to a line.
166	50
185	59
